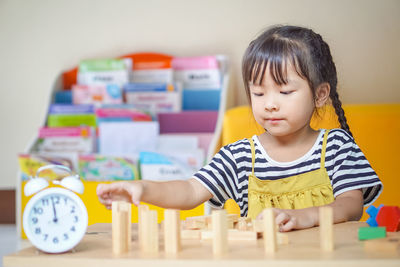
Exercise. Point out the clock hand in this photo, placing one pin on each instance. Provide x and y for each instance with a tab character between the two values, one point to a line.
54	210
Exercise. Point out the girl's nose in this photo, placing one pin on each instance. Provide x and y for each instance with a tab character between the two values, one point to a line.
270	104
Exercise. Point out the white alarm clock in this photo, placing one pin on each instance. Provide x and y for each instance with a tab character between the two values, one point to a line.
55	219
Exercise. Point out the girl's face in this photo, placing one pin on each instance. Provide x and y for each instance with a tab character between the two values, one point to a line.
282	109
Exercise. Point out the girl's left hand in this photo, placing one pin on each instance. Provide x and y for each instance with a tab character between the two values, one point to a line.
288	220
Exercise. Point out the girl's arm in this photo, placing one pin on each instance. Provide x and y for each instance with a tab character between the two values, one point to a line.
346	207
185	194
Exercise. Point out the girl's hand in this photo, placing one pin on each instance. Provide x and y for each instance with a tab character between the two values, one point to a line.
288	220
123	191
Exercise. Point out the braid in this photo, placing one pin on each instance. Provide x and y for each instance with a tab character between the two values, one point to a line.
337	104
329	74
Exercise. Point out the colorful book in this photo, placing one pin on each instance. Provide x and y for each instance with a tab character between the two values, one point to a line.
104	71
107	168
70	139
188	122
97	94
197	72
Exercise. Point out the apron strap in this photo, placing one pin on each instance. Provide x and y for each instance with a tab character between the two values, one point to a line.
323	149
253	154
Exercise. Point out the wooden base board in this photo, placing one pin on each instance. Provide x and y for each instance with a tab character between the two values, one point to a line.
303	250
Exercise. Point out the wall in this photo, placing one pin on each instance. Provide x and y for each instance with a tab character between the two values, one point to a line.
39	39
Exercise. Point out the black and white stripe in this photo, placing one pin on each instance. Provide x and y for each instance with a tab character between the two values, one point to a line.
226	176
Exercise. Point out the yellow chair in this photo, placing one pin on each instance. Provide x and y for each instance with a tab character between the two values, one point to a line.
375	128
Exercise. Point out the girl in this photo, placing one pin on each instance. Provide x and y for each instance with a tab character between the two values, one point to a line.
288	74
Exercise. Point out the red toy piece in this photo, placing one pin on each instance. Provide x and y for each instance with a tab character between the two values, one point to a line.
389	216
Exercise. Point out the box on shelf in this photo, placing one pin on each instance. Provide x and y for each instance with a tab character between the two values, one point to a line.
188	122
108	168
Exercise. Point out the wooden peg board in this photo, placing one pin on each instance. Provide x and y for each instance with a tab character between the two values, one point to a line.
302	250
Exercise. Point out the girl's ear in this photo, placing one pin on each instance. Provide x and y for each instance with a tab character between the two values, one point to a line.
322	94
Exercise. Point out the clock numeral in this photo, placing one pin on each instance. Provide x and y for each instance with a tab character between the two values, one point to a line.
55	240
72	209
57	200
65	236
45	237
37	210
76	218
73	228
45	202
35	220
65	200
37	230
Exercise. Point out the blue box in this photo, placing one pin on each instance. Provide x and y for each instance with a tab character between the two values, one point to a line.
201	99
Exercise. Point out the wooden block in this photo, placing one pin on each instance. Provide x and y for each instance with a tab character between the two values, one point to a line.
242	224
197	222
386	245
257	226
220	232
149	231
270	244
191	234
172	231
326	228
237	235
207	234
205	222
283	239
366	233
233	235
141	210
121	227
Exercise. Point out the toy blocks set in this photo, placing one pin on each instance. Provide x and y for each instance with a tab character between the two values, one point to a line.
221	228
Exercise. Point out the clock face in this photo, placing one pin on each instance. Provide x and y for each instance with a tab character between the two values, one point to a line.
55	220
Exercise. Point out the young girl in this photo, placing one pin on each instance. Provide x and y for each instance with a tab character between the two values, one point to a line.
288	74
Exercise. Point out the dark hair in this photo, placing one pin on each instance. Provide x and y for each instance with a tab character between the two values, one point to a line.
304	49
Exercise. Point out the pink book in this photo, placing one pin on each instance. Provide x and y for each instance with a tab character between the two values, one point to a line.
190	63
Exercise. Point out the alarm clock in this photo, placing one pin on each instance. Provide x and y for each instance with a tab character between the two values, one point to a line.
55	219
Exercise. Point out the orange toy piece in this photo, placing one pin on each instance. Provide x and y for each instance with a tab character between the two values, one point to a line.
389	216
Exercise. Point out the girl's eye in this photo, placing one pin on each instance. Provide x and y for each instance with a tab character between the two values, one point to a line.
286	92
258	94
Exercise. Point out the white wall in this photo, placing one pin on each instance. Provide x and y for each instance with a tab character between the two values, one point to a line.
41	38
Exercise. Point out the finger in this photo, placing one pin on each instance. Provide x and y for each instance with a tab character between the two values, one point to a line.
282	218
289	225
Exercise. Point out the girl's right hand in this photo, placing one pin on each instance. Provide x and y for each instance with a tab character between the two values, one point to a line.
120	191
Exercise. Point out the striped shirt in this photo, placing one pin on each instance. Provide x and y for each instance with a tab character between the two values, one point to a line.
226	176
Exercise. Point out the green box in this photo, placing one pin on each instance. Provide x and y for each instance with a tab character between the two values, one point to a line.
366	233
71	120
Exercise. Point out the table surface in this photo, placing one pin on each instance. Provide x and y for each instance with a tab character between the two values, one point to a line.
303	250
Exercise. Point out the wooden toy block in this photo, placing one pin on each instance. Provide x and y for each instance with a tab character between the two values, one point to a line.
205	222
121	227
242	224
206	234
387	245
238	235
282	239
220	232
257	226
172	231
326	228
149	231
141	210
389	216
366	233
270	244
196	223
373	212
191	234
233	235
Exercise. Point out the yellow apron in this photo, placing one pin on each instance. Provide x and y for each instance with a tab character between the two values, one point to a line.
295	192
